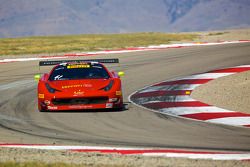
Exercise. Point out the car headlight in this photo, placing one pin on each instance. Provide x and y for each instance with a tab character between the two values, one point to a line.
50	89
109	86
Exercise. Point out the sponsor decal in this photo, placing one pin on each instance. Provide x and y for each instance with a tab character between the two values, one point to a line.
80	107
41	96
77	86
109	105
52	108
78	93
113	99
78	66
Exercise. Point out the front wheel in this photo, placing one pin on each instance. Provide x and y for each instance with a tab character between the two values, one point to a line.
41	109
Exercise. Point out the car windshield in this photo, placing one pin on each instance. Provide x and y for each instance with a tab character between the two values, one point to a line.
79	71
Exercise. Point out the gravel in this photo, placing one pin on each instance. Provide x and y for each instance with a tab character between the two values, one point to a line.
97	159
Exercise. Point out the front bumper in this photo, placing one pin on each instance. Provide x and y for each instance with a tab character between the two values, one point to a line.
79	103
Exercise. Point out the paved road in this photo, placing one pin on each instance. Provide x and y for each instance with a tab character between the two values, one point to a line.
21	123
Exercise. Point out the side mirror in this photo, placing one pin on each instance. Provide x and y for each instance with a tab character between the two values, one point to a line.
37	77
121	73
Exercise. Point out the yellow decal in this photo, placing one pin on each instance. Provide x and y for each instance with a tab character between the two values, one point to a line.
41	96
118	93
188	92
78	92
78	66
76	86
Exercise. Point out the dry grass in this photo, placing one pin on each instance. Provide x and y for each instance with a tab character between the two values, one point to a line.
83	43
42	164
217	33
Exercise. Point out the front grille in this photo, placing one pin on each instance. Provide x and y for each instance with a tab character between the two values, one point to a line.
77	101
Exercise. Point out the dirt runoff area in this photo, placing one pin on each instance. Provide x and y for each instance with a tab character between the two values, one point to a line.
226	35
230	92
96	159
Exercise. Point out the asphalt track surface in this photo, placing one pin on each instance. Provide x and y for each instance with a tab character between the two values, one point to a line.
20	122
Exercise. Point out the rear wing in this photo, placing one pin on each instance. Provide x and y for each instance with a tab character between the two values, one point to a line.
51	63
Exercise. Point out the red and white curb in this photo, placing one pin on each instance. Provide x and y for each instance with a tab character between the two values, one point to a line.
127	50
178	153
173	98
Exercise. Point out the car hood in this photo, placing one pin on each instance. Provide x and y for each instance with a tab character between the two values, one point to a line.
72	85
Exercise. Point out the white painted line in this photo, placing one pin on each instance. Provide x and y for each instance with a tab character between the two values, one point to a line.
207	76
56	147
192	110
242	66
231	120
203	156
29	59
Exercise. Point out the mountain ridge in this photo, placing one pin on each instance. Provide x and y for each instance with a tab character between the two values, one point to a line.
60	17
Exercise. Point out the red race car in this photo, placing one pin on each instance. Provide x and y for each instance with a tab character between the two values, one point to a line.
79	85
